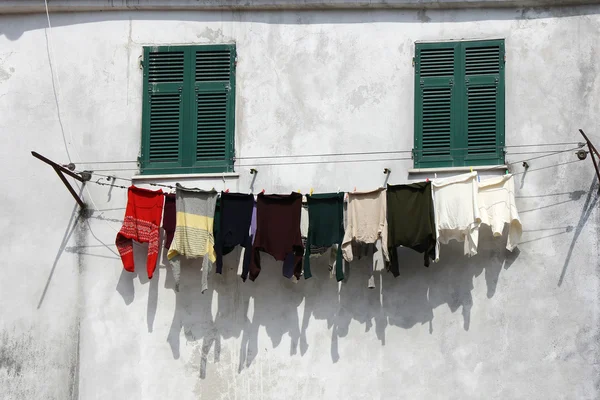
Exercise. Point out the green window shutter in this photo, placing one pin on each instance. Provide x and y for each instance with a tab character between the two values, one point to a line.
435	104
188	109
459	104
163	108
484	100
214	107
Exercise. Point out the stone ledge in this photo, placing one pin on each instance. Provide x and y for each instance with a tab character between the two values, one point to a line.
36	6
482	168
170	177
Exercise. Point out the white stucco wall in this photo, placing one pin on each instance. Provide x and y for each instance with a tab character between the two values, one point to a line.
497	326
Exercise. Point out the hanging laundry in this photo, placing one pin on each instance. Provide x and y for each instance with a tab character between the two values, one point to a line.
278	233
141	223
194	232
240	270
169	219
315	251
456	211
366	223
411	221
253	223
496	201
216	228
325	228
234	228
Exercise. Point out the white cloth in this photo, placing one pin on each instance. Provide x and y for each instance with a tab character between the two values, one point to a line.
496	200
304	221
456	211
367	221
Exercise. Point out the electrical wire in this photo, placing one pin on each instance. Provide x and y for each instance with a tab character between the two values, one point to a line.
57	89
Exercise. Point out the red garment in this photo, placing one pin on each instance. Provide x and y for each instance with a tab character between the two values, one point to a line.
142	221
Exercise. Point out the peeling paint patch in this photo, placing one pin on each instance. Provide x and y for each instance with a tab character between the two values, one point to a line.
365	94
5	74
213	36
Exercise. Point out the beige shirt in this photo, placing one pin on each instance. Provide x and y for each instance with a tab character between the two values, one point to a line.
367	221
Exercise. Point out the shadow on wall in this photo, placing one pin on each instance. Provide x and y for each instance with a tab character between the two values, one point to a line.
272	302
23	23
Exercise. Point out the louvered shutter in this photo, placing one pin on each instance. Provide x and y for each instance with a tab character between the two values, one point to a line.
459	104
435	102
213	114
484	102
164	76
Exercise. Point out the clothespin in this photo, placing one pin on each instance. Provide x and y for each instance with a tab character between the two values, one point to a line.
263	191
299	191
427	180
435	175
338	189
311	191
226	190
355	188
471	169
478	180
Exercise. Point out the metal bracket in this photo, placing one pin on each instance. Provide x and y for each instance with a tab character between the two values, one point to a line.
592	151
61	171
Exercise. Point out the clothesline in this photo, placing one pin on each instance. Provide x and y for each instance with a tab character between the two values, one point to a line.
478	169
326	162
412	151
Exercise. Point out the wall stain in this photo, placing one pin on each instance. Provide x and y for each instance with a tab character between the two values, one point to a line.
12	351
422	16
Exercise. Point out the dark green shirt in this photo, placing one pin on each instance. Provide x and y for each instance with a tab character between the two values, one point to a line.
411	221
325	227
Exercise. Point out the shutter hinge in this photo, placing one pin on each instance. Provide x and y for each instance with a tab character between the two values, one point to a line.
413	62
228	87
422	82
451	82
141	61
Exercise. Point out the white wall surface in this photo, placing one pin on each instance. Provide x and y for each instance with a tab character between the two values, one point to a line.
499	325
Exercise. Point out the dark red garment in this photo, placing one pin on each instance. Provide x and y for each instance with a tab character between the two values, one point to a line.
278	233
141	223
169	219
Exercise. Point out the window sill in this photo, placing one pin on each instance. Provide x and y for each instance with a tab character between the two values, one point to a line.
414	171
211	175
